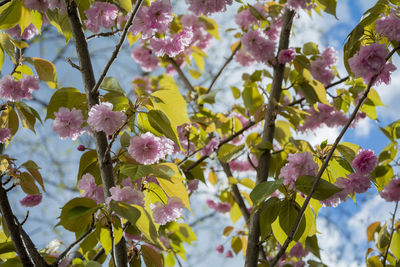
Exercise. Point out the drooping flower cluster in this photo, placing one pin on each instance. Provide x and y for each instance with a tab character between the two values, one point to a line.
5	134
68	123
259	46
298	164
100	14
389	26
145	58
211	146
207	7
153	19
17	90
391	192
172	46
29	32
371	61
31	200
220	207
103	118
287	55
89	188
149	149
326	114
245	19
168	212
322	68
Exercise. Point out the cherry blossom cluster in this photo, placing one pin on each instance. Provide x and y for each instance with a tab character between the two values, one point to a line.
5	134
391	192
44	5
325	114
222	207
389	26
100	14
355	183
245	19
322	68
13	90
168	212
207	7
259	46
298	164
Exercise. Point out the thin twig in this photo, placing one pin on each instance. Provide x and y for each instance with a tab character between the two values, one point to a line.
103	34
181	74
4	2
325	164
118	47
391	235
201	219
237	48
72	64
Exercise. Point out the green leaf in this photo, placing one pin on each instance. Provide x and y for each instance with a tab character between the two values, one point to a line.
312	89
9	119
112	85
198	58
105	240
287	218
236	244
1	58
195	74
46	71
120	102
208	98
151	257
211	26
7	46
268	214
312	245
27	115
264	190
329	6
227	151
10	14
89	164
159	121
67	97
126	4
76	215
310	48
235	92
323	190
7	247
252	98
395	245
60	21
28	185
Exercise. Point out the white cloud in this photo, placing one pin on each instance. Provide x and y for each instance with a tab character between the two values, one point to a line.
321	134
363	128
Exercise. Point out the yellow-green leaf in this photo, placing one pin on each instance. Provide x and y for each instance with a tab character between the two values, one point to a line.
105	240
46	71
66	97
10	14
28	185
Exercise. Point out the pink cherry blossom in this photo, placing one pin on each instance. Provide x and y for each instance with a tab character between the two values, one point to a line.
220	249
298	4
103	118
153	19
322	68
168	212
389	26
31	200
228	254
39	5
259	46
220	207
5	134
28	33
172	46
391	192
241	165
370	61
207	7
89	188
144	57
167	147
146	149
17	90
100	14
245	19
68	123
298	251
126	194
201	38
358	183
365	161
298	164
330	56
244	58
326	115
287	55
211	146
274	29
211	203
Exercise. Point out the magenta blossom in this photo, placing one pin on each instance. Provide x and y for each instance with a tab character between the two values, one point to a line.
28	33
228	254
220	249
357	183
146	149
298	251
31	200
172	46
168	212
103	118
287	55
365	161
68	123
391	192
144	57
17	90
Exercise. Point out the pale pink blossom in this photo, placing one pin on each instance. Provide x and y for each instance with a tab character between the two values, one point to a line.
326	115
220	207
100	14
146	149
153	19
31	200
358	183
201	38
103	118
287	55
207	7
126	194
228	254
274	29
245	19
220	249
211	203
391	192
330	56
144	57
371	61
89	188
5	134
211	146
298	251
389	26
168	212
68	123
365	161
172	46
298	164
240	165
17	90
167	147
29	32
322	72
244	58
192	185
259	46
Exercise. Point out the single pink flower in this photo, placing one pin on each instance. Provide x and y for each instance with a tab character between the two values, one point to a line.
211	146
207	7
144	57
126	194
31	200
168	212
220	249
259	46
365	161
389	26
29	32
391	192
5	134
228	254
103	118
89	188
287	55
68	123
146	149
298	251
358	183
100	14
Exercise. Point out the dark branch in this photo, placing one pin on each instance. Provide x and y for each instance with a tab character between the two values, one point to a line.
103	34
181	74
72	64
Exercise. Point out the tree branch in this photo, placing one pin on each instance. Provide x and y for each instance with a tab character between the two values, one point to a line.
325	164
391	235
118	47
86	69
268	136
181	74
237	48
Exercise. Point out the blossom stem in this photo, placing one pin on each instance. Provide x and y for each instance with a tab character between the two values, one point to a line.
391	235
